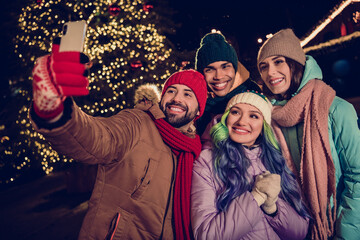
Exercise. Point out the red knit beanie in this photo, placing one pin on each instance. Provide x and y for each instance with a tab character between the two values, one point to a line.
195	81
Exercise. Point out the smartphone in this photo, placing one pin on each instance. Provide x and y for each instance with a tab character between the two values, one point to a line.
73	36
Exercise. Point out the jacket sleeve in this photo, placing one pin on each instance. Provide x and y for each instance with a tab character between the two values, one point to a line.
95	140
287	223
208	223
346	136
206	140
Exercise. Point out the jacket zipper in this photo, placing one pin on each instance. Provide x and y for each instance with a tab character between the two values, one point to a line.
169	198
113	225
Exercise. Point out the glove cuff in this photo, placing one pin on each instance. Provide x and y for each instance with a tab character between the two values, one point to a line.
48	115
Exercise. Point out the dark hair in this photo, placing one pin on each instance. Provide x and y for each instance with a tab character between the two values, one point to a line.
296	71
231	166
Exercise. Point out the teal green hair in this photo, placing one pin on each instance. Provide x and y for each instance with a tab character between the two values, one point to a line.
269	135
220	132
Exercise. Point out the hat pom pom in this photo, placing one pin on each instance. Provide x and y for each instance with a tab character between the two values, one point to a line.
210	37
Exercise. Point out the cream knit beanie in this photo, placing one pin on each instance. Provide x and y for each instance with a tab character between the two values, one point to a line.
283	43
255	99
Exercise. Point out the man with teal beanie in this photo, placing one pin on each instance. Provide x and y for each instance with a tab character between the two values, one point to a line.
217	60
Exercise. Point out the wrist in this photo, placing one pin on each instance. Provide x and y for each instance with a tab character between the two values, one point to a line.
49	115
269	209
42	123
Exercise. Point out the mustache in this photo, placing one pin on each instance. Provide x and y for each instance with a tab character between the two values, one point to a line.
176	104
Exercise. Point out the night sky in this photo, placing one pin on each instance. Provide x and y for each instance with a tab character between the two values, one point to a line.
242	22
246	21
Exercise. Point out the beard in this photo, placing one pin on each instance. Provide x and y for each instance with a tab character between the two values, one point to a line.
175	120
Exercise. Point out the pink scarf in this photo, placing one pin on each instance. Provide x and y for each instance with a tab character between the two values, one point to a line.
317	172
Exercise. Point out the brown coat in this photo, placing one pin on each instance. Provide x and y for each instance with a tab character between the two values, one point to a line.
133	193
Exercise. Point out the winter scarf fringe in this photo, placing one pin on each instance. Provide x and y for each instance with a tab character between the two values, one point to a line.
317	172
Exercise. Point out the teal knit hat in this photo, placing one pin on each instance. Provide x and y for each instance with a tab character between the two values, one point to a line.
214	48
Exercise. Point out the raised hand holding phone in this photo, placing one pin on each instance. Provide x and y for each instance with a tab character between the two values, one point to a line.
59	75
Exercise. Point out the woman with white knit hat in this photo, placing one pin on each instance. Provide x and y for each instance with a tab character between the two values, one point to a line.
318	134
241	187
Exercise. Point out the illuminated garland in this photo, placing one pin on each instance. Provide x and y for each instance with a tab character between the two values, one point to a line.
335	12
115	40
333	42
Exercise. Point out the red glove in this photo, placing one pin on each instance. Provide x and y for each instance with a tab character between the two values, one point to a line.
56	77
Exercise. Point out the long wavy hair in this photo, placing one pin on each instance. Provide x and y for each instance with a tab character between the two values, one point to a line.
231	165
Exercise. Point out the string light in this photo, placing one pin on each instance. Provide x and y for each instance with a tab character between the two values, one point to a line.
336	11
113	43
333	42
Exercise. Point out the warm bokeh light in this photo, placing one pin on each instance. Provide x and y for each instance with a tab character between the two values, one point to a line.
124	45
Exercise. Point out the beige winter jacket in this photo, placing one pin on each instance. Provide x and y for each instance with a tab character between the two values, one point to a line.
132	197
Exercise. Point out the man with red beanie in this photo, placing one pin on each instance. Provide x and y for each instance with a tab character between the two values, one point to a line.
144	155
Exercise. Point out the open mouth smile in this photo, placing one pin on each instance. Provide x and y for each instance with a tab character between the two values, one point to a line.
220	86
176	109
241	131
276	81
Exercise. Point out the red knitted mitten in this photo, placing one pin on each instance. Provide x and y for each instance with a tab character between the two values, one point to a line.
55	77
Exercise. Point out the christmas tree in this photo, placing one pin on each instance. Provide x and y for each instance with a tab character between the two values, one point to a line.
127	48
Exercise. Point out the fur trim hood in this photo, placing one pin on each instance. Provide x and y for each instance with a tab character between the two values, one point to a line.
149	92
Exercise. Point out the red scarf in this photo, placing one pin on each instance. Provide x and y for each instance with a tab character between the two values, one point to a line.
187	150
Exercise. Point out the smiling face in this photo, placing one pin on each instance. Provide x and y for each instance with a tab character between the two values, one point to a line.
245	123
220	77
276	74
179	105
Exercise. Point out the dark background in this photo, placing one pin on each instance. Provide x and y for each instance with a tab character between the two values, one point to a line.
47	208
246	21
242	22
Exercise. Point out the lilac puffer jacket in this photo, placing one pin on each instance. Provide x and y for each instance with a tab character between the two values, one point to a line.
243	219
